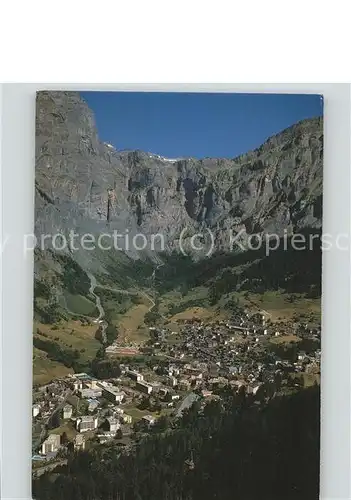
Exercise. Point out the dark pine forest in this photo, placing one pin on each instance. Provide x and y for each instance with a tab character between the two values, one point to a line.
233	449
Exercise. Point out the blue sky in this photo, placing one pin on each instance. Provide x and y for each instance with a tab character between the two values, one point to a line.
196	124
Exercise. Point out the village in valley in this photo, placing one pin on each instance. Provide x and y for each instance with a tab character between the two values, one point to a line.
153	384
177	296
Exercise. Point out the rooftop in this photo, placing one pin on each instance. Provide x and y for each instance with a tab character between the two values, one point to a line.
114	390
148	418
53	438
87	418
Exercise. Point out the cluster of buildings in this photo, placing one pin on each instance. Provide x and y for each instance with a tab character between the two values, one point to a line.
47	398
245	351
53	443
76	402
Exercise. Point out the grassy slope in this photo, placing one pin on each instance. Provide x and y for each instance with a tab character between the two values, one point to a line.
79	304
45	369
131	325
278	305
183	288
70	334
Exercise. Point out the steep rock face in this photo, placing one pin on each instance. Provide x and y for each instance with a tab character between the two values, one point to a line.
80	182
274	187
73	168
88	186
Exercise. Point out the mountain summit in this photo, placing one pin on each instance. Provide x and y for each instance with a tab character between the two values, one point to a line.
89	186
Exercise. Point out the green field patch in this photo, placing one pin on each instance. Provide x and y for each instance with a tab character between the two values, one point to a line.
80	305
282	306
71	335
179	300
45	369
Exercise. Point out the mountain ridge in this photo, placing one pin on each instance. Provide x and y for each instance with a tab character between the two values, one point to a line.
84	184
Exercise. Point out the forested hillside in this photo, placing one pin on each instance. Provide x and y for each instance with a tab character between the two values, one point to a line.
233	449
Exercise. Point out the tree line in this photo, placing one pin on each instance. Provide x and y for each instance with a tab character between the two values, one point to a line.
232	449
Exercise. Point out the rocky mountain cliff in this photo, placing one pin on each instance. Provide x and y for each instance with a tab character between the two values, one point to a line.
86	185
274	187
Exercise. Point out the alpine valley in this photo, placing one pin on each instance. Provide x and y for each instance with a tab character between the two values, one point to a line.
187	368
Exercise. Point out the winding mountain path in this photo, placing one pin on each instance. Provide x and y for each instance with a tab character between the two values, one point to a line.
99	319
93	285
126	292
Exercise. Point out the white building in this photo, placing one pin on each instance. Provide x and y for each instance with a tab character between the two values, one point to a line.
184	384
91	384
173	370
35	410
136	376
93	404
127	419
79	442
77	385
172	381
163	392
90	393
86	423
149	420
105	437
67	412
113	394
51	444
144	387
113	424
